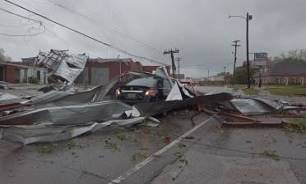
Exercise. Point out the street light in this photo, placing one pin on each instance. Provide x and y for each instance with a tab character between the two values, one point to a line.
248	17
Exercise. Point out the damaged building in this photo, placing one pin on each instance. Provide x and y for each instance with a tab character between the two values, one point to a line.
101	71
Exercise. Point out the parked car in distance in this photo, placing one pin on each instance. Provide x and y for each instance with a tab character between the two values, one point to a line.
147	89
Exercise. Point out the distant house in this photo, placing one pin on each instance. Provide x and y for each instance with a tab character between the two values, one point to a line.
284	73
15	72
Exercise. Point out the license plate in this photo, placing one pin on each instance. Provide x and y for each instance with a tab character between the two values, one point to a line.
131	96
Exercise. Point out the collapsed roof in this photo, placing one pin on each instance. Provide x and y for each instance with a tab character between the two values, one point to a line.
62	65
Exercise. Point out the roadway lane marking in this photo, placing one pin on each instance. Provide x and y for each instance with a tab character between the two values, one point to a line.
158	153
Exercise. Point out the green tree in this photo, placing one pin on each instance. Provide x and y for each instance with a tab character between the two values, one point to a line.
241	75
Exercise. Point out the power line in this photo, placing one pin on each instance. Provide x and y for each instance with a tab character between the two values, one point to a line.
21	16
84	34
112	29
24	17
23	35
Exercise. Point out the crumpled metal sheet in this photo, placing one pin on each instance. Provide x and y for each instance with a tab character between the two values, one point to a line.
50	96
175	94
185	91
38	134
155	108
68	115
71	67
68	97
249	106
64	65
44	133
273	104
7	96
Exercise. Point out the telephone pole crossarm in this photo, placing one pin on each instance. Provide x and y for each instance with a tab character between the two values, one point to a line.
172	52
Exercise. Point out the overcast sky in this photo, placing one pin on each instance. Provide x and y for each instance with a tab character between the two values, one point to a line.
199	28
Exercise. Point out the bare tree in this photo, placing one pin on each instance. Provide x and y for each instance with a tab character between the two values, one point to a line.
292	55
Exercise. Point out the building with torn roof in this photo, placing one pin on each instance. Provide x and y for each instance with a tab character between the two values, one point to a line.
94	71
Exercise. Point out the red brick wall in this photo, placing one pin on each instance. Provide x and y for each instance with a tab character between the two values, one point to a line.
11	74
114	67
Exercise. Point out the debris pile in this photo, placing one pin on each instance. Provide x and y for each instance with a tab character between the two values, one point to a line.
131	99
64	114
254	111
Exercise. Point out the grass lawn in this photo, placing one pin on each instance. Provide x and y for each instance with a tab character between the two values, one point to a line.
244	89
251	91
236	87
286	90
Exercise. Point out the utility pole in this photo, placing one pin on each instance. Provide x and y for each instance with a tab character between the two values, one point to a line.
236	45
247	19
224	75
172	52
178	65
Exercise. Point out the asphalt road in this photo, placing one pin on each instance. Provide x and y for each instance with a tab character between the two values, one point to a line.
94	158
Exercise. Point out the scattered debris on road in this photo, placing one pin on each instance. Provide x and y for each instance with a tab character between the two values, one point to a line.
62	114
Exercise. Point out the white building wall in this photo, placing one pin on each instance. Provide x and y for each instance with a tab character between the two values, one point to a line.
27	73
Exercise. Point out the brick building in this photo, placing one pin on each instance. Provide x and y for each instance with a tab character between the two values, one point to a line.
15	72
101	71
284	73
